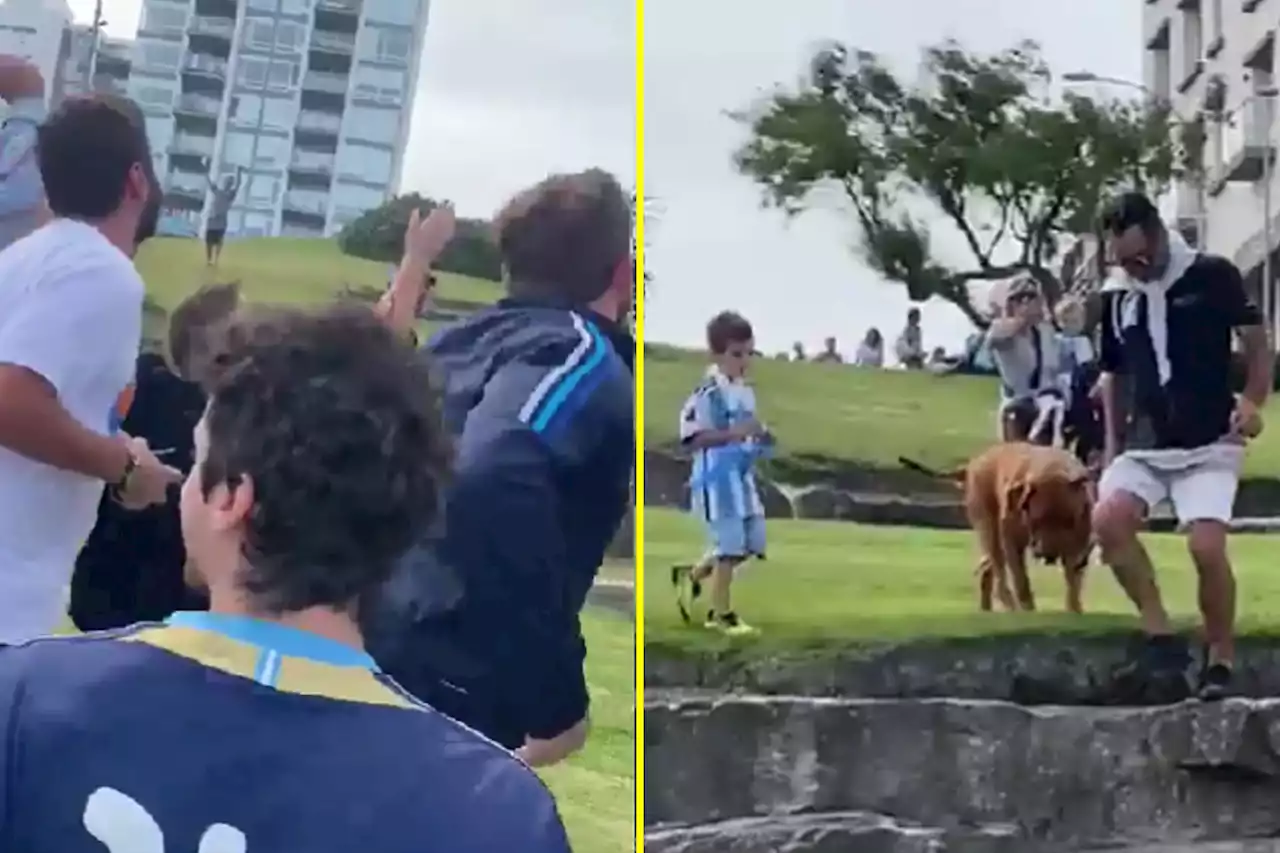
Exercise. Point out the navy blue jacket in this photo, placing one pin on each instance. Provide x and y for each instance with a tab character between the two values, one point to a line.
481	620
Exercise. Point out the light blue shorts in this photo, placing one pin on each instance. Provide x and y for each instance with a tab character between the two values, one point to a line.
737	536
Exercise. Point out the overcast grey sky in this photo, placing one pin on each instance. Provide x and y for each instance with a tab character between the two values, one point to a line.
714	248
509	91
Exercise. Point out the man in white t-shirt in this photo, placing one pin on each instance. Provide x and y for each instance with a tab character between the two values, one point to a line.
70	327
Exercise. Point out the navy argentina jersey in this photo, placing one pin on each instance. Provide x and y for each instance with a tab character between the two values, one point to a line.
222	734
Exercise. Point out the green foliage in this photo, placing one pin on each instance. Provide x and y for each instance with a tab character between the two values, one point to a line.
983	143
378	235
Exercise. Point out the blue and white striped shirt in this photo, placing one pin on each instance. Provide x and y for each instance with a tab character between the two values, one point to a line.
21	189
722	482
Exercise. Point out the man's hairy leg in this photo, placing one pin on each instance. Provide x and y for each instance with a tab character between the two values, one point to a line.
1207	542
1116	522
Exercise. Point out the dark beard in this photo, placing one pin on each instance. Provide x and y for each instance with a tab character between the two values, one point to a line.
149	219
148	222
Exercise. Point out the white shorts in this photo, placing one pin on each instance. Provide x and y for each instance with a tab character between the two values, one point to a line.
1200	483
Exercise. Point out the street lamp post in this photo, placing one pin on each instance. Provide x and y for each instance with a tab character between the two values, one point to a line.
95	36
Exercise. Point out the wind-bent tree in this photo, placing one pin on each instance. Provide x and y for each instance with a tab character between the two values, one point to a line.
981	144
650	219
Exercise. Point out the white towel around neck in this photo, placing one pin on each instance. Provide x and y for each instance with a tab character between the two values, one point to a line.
1181	257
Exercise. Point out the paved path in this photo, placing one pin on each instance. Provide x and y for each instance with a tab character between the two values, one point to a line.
616	595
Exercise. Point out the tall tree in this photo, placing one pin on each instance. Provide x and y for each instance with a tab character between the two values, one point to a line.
981	144
378	235
650	219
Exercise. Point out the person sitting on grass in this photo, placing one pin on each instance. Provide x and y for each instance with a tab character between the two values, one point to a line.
264	724
871	351
718	424
131	568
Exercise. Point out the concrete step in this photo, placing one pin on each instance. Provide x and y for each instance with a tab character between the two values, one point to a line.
1071	777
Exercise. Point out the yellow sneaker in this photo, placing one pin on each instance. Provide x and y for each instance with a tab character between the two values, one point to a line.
730	624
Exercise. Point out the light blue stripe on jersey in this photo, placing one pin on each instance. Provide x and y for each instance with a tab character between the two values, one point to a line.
722	484
268	668
549	396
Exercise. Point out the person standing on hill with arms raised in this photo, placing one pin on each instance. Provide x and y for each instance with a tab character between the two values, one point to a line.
70	328
215	229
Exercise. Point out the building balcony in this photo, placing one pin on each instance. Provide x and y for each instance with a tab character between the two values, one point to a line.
208	66
207	25
110	85
329	42
198	105
152	28
1248	143
319	123
341	7
185	185
191	146
302	201
312	163
320	81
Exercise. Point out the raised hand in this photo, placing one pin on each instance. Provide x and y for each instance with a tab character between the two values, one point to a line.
426	237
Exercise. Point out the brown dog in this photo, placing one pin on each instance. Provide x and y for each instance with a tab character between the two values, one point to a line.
1019	496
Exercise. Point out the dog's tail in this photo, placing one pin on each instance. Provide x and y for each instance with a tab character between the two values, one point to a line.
956	475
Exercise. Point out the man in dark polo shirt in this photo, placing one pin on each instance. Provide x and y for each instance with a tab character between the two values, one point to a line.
1166	354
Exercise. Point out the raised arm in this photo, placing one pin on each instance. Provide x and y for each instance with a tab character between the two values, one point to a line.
424	240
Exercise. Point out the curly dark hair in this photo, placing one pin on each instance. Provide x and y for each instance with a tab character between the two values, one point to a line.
336	422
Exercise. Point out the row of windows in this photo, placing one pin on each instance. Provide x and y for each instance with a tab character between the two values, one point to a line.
385	11
270	34
377	125
383	84
357	162
256	72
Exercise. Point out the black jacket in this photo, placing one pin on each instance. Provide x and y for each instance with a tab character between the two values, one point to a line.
130	569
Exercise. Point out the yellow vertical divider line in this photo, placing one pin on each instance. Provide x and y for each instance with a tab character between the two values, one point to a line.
638	513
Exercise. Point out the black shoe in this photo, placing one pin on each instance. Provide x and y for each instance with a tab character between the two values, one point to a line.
1156	672
687	590
680	581
1215	682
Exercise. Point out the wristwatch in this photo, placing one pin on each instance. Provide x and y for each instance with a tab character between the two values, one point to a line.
122	484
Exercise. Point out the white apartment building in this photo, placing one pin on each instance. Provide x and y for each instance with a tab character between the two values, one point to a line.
309	99
43	32
40	31
1209	59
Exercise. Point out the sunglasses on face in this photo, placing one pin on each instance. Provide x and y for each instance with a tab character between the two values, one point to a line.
1136	263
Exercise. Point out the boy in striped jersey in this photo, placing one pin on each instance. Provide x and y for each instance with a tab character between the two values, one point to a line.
718	424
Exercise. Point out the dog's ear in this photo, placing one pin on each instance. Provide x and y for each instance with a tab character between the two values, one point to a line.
1018	496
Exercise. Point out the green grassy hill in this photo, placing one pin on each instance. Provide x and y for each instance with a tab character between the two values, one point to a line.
279	270
835	420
